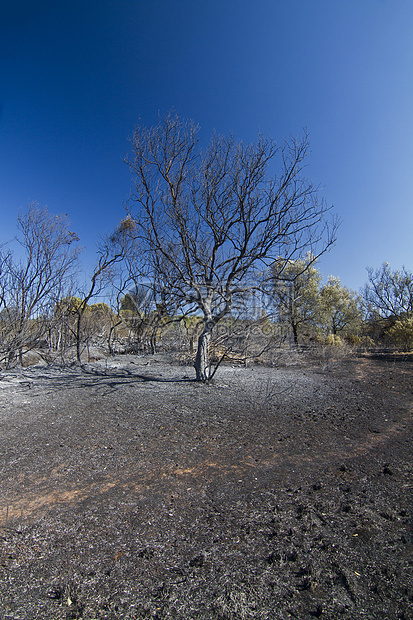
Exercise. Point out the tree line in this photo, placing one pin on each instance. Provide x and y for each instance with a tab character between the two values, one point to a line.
218	248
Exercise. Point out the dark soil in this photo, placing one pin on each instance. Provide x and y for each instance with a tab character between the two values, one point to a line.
129	491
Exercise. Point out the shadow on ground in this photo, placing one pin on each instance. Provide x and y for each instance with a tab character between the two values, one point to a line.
130	491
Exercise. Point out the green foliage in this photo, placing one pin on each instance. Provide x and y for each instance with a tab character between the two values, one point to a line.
388	298
296	293
69	306
340	308
127	304
353	340
101	310
333	340
401	333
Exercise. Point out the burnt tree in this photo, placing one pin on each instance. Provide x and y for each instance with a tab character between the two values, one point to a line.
214	219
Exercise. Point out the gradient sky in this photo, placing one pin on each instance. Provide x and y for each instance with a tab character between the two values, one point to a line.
77	75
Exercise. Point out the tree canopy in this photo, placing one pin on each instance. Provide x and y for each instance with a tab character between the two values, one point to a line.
213	219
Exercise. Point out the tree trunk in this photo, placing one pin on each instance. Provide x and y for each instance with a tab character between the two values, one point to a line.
110	348
201	364
153	342
78	350
295	333
79	337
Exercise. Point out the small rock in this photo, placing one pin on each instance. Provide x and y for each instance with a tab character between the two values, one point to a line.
197	561
54	593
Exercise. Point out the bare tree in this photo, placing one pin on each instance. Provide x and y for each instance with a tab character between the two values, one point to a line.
389	293
34	278
213	219
111	252
149	308
116	295
5	256
388	299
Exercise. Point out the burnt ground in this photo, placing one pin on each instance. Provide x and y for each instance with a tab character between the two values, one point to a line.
129	491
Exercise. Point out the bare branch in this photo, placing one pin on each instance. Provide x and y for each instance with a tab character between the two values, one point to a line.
211	219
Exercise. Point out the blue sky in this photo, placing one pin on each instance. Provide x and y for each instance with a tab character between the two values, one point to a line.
77	75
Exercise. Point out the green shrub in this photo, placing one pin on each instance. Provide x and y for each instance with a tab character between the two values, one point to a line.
334	341
401	333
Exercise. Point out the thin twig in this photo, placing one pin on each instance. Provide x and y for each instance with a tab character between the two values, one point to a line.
7	516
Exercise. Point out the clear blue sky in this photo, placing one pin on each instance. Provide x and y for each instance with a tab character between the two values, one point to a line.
77	75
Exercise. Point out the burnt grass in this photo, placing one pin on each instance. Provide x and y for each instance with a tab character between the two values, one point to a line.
127	490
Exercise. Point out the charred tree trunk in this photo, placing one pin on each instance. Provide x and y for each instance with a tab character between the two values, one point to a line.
153	341
295	333
202	363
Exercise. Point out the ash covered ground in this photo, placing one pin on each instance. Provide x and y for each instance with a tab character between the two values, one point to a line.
127	490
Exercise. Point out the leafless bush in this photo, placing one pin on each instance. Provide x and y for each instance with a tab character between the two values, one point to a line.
33	278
